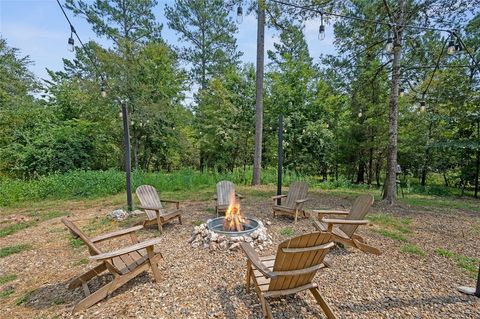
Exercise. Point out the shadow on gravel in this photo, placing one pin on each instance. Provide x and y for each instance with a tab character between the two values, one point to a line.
293	306
58	294
392	302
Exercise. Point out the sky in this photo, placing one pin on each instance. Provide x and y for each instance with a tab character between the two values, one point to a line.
38	29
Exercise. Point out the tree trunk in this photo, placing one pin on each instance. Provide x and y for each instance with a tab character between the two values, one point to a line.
478	161
390	181
257	159
361	172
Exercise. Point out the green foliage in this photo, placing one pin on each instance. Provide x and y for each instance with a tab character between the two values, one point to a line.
6	292
82	261
10	250
75	242
391	234
39	217
412	249
470	264
208	33
7	278
287	231
22	300
12	229
196	222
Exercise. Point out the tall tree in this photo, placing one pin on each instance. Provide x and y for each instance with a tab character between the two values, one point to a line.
257	158
208	35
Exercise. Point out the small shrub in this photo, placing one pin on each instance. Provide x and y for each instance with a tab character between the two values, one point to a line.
23	299
7	278
82	261
196	222
75	242
391	234
412	249
10	250
58	301
12	229
287	231
470	264
6	292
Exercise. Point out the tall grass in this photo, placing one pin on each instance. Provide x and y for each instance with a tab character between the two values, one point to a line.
91	184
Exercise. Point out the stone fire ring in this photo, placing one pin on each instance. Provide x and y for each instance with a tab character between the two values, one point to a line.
216	225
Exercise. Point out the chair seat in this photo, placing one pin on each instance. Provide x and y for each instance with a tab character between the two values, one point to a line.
127	263
166	215
283	209
263	282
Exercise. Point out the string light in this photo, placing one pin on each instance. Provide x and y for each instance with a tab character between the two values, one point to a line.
423	104
402	91
389	44
321	29
239	14
451	47
103	89
360	114
71	42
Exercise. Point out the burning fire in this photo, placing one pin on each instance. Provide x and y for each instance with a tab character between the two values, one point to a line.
234	220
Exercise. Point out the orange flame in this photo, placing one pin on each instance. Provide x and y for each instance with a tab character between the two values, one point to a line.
233	218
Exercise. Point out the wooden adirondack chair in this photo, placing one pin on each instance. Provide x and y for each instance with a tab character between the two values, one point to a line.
222	199
290	271
296	197
345	233
156	214
124	264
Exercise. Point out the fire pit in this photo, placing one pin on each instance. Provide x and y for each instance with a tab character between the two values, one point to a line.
217	225
227	232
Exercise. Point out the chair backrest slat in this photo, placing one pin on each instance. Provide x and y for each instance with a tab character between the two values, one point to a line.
148	196
296	191
288	259
359	210
78	233
224	189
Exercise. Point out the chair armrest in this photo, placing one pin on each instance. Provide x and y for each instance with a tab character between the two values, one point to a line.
333	221
170	201
252	256
177	202
330	212
344	221
117	233
300	201
150	208
126	250
278	196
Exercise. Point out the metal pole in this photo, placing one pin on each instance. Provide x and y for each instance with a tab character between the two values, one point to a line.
470	290
477	291
280	158
128	160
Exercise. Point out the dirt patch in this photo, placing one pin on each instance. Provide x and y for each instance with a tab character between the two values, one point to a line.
199	283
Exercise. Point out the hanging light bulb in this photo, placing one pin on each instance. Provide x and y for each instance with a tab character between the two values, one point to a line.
423	104
71	42
321	29
360	114
239	14
389	44
451	47
103	89
402	92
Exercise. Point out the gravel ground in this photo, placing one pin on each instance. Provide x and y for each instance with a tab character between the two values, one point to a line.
199	283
